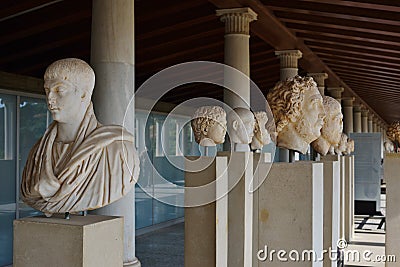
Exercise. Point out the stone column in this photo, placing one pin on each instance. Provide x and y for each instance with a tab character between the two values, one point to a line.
357	118
347	107
336	93
236	53
374	125
113	57
289	69
364	120
370	125
319	78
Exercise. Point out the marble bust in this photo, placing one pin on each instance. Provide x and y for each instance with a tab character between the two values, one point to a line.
341	147
298	112
332	129
393	132
209	125
349	147
389	146
78	164
240	128
261	136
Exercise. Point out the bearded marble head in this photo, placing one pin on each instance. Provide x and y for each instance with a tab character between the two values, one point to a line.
209	125
261	136
333	126
298	112
342	146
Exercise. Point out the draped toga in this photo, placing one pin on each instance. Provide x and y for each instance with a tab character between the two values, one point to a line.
99	167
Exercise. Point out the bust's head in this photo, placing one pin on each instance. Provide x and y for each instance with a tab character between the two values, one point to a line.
393	132
261	136
298	112
69	85
342	146
209	125
241	126
349	147
333	126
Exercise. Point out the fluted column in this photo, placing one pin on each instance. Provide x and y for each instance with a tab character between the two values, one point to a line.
319	78
357	118
364	120
236	54
288	69
374	125
336	93
112	58
370	124
347	105
289	63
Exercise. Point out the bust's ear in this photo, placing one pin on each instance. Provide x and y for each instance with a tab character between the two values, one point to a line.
235	125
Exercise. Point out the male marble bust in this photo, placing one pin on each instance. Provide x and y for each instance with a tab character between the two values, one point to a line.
240	128
340	148
209	125
332	129
261	136
78	164
298	112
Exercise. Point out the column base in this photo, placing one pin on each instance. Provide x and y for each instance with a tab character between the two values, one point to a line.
134	263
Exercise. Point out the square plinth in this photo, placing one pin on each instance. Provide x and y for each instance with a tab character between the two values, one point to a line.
86	241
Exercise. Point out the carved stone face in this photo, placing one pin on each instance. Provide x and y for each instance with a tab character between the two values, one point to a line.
241	126
217	133
312	114
261	136
65	100
333	127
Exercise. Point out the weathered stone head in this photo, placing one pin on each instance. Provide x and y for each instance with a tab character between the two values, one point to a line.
209	125
240	126
298	112
342	146
261	136
333	126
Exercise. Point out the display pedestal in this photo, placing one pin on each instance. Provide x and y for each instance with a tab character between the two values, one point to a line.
87	241
200	213
349	198
391	172
331	205
291	212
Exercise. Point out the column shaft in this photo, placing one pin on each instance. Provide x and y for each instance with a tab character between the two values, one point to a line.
236	54
357	118
364	120
348	114
112	58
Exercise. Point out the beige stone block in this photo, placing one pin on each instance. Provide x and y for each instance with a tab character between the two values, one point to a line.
392	177
331	207
291	211
348	198
87	241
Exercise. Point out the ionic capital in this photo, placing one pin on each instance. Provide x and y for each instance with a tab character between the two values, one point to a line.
237	20
348	101
319	78
289	58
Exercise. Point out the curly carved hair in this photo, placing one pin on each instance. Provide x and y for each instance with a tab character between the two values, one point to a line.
393	131
286	97
204	118
259	116
74	70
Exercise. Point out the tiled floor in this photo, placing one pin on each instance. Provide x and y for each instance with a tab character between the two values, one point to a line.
162	248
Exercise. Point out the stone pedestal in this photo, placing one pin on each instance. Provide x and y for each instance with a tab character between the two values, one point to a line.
331	204
200	212
391	172
291	212
348	197
87	241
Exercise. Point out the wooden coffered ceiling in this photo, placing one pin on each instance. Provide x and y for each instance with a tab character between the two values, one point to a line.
356	42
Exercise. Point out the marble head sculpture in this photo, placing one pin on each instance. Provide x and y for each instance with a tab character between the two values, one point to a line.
240	128
78	164
340	148
389	146
209	125
349	147
261	136
332	129
298	112
393	132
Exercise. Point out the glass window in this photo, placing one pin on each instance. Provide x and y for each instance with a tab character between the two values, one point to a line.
7	176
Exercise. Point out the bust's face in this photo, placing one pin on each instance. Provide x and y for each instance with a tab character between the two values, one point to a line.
245	127
63	100
262	134
217	132
312	115
333	126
